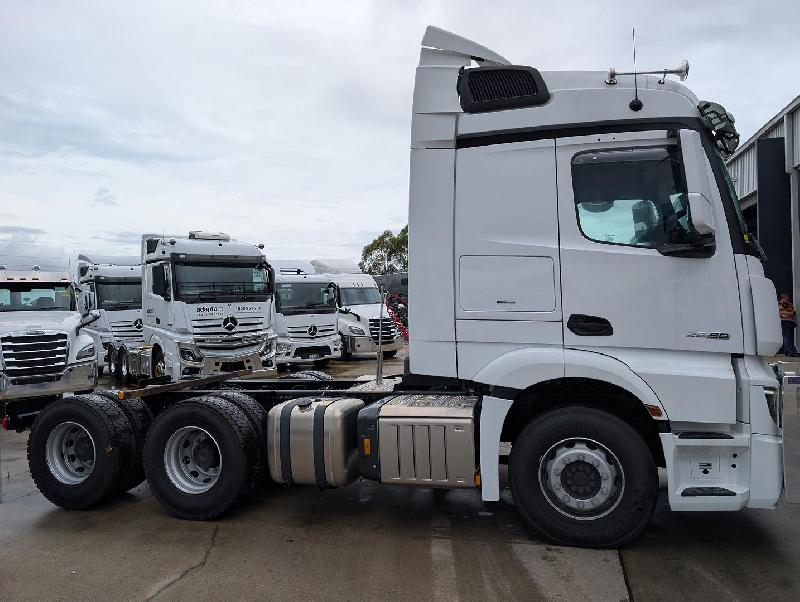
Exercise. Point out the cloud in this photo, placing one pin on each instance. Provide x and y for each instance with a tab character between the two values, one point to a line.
288	123
19	232
103	196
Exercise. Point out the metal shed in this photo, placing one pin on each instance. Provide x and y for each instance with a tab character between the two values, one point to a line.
766	173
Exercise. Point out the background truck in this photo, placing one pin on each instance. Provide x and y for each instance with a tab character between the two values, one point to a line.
364	324
43	351
306	316
112	285
207	306
585	294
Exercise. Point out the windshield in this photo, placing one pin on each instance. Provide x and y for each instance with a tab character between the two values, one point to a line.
23	296
359	296
296	296
119	295
212	281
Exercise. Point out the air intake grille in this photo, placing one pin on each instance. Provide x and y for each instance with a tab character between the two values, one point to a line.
500	84
385	331
497	88
34	355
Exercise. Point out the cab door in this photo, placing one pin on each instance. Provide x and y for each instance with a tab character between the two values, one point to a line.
637	282
158	295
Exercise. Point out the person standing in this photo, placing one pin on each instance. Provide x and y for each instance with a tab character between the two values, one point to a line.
788	324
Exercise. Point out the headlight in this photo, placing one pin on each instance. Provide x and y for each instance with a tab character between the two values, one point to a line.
356	330
86	352
188	354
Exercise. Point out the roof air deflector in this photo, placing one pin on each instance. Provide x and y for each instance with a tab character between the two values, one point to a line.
444	40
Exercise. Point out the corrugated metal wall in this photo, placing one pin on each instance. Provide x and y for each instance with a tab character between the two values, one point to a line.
796	136
743	172
775	132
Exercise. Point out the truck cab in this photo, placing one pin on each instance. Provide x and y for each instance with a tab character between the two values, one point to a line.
364	324
207	303
307	317
44	352
590	252
113	286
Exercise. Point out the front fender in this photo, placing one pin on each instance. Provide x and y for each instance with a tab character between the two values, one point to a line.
523	368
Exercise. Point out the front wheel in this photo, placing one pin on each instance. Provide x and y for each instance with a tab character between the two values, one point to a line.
583	477
389	354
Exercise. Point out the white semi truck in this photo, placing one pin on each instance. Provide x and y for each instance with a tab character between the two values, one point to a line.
112	285
364	324
207	307
44	352
585	293
306	317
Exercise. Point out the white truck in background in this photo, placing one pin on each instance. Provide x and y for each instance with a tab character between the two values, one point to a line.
364	324
207	307
306	315
44	352
113	286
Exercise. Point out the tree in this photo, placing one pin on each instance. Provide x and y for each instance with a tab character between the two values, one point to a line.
387	254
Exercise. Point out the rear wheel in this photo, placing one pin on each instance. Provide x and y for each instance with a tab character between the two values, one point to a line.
257	416
76	450
197	457
140	418
583	477
322	363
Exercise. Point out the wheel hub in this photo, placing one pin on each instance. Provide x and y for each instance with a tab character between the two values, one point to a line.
70	453
192	460
581	478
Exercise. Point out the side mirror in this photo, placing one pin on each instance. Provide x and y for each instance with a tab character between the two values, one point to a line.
88	318
701	214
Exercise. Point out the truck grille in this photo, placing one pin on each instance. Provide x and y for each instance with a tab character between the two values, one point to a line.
127	330
301	332
211	335
34	355
385	330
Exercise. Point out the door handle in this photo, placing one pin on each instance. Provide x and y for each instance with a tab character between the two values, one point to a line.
589	326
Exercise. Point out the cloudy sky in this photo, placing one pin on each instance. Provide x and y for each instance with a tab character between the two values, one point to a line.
288	122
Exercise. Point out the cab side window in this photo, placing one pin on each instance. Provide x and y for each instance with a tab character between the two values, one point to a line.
634	196
160	281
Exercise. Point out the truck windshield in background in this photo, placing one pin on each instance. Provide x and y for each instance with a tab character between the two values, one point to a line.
297	297
120	294
27	296
213	281
359	296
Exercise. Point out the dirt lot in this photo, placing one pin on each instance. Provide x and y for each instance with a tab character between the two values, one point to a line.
367	541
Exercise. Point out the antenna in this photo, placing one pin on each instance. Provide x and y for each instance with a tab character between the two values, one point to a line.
635	104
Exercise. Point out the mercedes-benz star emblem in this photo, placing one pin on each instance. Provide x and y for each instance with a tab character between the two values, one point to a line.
137	323
230	323
312	330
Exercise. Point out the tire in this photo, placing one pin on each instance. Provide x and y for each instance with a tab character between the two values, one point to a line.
140	417
346	355
282	367
101	433
257	415
322	363
158	366
100	370
389	354
622	458
226	436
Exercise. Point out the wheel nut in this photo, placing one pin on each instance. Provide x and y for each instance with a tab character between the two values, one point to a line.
604	491
596	463
581	457
605	476
557	485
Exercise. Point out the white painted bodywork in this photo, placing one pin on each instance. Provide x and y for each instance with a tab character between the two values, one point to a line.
115	326
354	320
70	374
301	331
172	324
498	264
